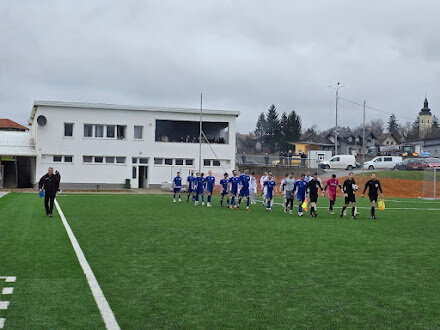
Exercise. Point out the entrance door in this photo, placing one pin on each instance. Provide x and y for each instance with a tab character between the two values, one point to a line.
143	176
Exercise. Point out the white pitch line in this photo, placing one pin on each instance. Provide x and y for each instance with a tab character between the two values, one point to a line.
8	279
101	301
8	290
2	322
4	305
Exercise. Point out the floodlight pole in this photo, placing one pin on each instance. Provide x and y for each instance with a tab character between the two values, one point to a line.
200	134
338	86
363	139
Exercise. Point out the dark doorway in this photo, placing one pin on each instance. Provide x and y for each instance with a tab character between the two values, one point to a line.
143	177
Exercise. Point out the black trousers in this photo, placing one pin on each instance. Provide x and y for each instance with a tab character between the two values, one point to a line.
48	203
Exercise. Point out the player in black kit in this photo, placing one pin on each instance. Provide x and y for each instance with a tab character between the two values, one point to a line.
349	187
313	185
373	185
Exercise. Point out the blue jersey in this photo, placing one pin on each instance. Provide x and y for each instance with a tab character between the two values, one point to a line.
234	184
199	183
300	186
269	184
190	181
177	182
244	180
224	184
210	182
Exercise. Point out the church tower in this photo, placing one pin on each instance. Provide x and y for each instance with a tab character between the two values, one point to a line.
425	120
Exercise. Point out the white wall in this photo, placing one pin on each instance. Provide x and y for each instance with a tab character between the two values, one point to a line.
50	140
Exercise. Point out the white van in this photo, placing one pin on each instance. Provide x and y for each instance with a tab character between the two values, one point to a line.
346	162
382	162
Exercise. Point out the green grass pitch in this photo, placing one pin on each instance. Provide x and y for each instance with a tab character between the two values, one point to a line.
165	265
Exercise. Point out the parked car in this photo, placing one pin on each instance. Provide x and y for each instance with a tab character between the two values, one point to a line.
433	162
340	162
411	164
383	162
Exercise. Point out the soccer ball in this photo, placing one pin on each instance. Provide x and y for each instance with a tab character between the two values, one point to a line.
355	187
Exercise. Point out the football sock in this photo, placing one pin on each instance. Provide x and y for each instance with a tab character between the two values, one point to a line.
353	209
247	203
373	211
233	200
300	209
203	198
209	198
227	201
343	209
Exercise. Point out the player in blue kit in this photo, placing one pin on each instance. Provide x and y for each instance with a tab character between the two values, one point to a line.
190	186
233	188
199	187
300	187
210	183
270	186
177	185
244	182
224	183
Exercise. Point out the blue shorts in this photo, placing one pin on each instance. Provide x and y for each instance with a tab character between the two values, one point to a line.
301	198
269	195
209	189
234	192
199	192
244	192
177	189
224	193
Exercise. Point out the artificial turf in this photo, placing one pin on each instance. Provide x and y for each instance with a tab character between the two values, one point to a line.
166	265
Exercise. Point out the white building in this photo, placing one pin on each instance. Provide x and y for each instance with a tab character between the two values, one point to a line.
102	145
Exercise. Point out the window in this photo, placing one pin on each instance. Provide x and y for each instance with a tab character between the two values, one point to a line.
206	162
388	159
168	161
336	159
120	160
99	131
110	160
138	130
158	161
111	131
87	159
121	131
179	161
57	158
143	160
99	159
88	130
215	162
189	162
392	142
388	143
134	160
378	160
68	129
133	172
68	159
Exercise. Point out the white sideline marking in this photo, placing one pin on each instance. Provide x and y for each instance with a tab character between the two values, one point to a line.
9	290
3	194
8	279
101	301
2	323
4	305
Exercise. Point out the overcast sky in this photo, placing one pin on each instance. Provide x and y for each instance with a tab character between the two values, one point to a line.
243	55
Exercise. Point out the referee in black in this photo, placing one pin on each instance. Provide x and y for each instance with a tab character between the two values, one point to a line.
313	185
373	185
349	187
50	183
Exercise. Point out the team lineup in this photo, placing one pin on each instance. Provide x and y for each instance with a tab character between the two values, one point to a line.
306	189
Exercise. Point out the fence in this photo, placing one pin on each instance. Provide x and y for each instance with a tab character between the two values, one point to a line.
276	161
431	184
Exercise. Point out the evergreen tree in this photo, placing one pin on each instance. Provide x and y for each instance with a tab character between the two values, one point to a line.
284	131
261	127
393	127
273	133
294	127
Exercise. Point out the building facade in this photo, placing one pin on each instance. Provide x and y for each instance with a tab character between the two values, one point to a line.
425	120
101	146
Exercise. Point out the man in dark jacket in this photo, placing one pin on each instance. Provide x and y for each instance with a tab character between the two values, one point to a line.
50	183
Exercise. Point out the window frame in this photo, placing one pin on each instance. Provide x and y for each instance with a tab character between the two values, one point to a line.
72	125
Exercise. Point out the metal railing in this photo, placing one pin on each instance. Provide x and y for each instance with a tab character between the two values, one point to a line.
276	161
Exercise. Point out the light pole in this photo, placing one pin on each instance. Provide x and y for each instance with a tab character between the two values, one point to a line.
338	86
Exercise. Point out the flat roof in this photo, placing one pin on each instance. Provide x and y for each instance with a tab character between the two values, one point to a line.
16	143
103	106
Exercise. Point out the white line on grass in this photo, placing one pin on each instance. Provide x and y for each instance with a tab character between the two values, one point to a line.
4	305
8	290
101	301
2	322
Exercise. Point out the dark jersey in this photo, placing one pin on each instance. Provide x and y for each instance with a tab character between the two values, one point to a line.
373	186
349	186
313	186
50	184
